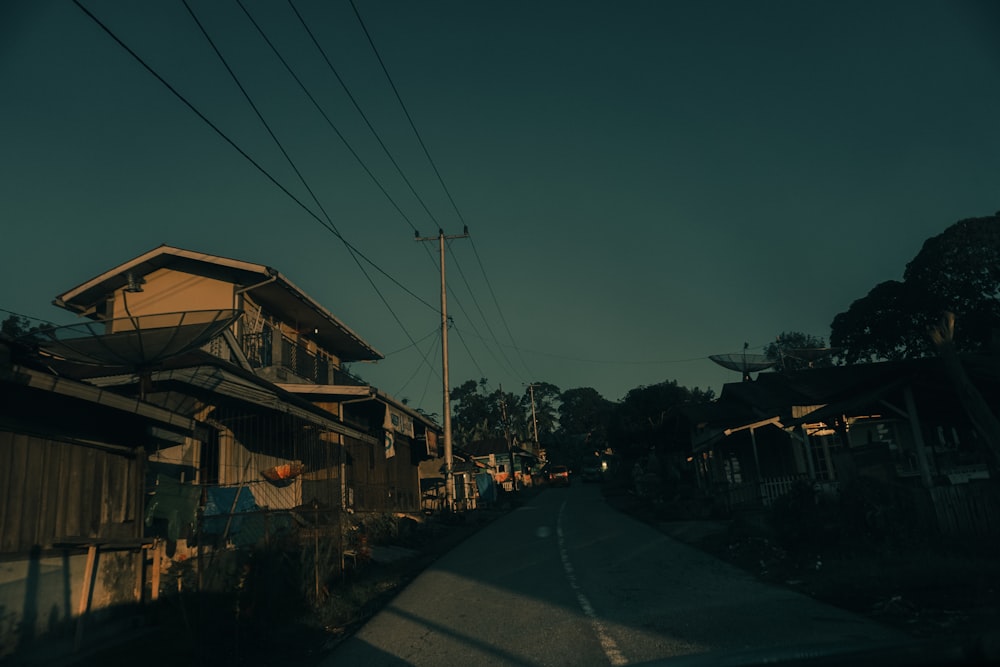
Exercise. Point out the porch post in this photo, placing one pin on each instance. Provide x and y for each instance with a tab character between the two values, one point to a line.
809	457
756	459
918	436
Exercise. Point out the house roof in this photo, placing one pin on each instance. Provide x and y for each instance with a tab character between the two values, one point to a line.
788	399
36	394
271	290
357	393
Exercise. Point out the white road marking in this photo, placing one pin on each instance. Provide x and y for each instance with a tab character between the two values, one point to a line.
608	645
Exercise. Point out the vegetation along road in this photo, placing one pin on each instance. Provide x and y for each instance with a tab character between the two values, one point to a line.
567	580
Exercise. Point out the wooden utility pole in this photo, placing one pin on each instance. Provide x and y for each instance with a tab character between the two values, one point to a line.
449	477
508	439
534	419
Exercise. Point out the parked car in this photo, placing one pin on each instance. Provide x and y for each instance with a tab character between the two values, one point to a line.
559	476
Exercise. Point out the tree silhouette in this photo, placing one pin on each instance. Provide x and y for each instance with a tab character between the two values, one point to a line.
956	271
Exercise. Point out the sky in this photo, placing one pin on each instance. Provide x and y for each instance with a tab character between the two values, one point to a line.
644	183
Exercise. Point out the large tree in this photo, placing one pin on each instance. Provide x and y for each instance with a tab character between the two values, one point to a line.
956	271
478	413
645	417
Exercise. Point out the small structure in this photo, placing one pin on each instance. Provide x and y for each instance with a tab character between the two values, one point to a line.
900	422
508	464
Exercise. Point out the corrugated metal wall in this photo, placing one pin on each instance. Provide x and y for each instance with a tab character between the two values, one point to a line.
51	490
379	484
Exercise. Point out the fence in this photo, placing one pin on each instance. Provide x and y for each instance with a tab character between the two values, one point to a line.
969	510
766	491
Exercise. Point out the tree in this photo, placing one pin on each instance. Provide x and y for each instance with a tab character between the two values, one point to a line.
583	411
794	350
478	414
16	326
957	271
644	418
471	416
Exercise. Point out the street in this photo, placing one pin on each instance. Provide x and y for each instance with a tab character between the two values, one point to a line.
566	580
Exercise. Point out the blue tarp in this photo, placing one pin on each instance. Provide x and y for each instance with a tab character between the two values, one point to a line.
219	504
487	487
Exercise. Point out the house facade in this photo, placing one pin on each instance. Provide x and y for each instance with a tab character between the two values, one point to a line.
203	408
274	389
901	423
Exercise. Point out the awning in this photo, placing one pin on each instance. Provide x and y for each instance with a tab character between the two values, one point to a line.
224	383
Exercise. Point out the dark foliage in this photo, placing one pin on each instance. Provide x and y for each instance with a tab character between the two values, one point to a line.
956	271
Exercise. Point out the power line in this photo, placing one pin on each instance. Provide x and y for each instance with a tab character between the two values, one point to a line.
355	252
471	357
444	186
435	331
416	370
242	152
329	222
483	316
497	303
365	118
406	112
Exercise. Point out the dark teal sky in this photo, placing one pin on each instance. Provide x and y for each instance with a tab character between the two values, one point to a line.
646	183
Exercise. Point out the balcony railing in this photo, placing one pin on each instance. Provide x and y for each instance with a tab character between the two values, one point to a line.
260	352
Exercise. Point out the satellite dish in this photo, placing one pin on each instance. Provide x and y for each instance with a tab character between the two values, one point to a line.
135	342
743	362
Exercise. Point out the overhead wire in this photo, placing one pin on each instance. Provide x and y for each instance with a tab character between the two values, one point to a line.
355	252
215	128
419	366
496	302
435	330
329	222
461	272
437	172
365	118
406	111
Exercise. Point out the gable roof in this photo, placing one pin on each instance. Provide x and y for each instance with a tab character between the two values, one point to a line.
272	290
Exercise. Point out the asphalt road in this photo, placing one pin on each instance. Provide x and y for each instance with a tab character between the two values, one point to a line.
566	580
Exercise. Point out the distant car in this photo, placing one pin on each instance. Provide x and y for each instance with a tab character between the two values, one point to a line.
559	476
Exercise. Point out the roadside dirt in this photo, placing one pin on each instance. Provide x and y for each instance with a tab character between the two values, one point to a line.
928	592
189	632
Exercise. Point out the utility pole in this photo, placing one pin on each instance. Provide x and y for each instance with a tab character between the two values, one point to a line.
449	477
534	419
508	439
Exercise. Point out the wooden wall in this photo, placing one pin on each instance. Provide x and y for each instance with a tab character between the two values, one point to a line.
51	490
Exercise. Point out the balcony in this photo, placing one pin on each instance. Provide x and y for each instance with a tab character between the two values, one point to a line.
288	355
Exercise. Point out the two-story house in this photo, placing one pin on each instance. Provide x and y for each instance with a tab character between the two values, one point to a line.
199	406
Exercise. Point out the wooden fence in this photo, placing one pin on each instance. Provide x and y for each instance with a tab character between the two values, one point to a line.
763	492
969	510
